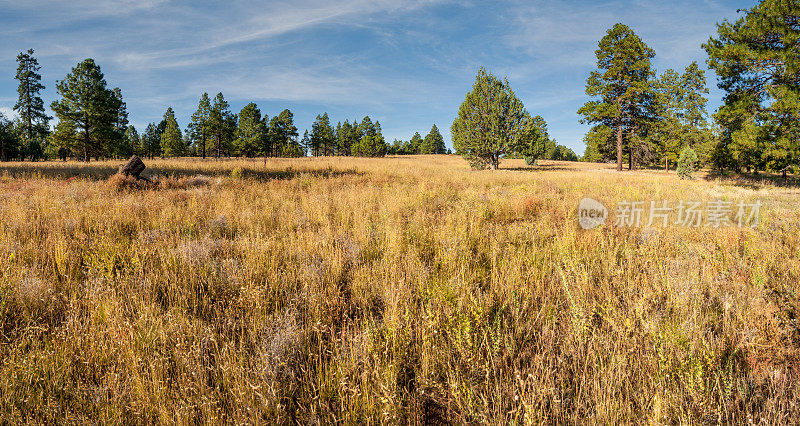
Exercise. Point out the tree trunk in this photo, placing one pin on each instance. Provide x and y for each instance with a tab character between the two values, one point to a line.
619	148
630	158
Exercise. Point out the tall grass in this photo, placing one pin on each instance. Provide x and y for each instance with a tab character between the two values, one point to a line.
397	290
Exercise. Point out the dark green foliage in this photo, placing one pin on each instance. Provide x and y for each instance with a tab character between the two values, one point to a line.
415	144
681	106
433	142
30	107
151	141
346	137
489	123
251	134
759	69
624	96
562	153
535	142
9	140
323	137
687	163
171	138
199	129
222	126
370	142
283	134
131	143
89	113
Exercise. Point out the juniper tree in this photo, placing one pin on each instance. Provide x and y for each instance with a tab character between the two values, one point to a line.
30	106
621	86
489	123
534	142
89	110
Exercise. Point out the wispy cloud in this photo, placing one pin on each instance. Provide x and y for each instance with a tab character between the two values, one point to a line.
409	62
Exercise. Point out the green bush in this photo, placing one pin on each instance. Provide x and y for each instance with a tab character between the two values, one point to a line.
687	163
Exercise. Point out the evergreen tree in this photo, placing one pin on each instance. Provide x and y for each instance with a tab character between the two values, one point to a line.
622	86
171	138
415	144
346	137
323	136
199	129
222	126
694	113
687	163
305	143
130	143
759	69
151	141
489	123
89	110
283	135
30	106
534	142
115	144
251	132
668	132
9	142
433	143
371	142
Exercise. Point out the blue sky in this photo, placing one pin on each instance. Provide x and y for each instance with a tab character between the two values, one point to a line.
407	63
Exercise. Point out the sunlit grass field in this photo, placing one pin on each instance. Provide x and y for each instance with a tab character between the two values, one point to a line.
405	290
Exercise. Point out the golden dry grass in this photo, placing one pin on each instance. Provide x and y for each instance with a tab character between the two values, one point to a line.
396	290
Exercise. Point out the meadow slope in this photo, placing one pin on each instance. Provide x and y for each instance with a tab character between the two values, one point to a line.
394	290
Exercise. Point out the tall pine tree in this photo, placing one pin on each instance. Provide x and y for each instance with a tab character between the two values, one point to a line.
222	125
622	85
30	106
323	136
88	111
199	128
758	66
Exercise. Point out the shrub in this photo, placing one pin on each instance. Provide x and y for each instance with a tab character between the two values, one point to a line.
687	163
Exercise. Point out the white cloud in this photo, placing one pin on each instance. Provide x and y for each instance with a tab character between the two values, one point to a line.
8	113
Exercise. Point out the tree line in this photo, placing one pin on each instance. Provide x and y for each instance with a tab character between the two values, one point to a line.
649	119
93	123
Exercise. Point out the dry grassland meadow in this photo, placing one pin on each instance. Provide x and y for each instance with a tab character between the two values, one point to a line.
399	290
